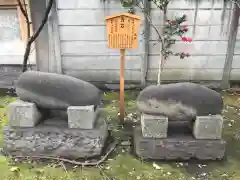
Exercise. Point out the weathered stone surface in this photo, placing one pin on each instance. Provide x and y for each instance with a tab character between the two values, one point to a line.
182	147
56	91
208	127
56	141
82	116
179	101
23	114
154	126
61	114
55	121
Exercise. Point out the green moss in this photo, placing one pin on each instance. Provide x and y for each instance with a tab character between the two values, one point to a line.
124	166
4	101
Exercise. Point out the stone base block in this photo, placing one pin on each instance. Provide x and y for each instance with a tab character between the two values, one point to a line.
178	147
82	117
56	141
208	127
154	126
23	114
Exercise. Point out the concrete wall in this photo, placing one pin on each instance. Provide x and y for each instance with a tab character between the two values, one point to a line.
209	46
84	51
83	38
74	42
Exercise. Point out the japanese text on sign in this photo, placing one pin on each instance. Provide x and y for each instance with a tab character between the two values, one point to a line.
123	32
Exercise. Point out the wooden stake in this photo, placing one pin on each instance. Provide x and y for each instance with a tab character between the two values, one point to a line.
122	67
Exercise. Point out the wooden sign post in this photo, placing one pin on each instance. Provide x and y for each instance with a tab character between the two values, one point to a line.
122	32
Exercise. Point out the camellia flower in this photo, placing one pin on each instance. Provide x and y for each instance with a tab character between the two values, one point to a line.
189	39
182	55
175	27
186	39
185	29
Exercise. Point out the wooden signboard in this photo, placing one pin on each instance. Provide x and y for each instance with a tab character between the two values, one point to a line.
122	33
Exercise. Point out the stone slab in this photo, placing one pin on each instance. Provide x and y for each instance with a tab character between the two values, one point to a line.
177	147
181	101
154	126
56	91
208	127
82	116
23	114
56	141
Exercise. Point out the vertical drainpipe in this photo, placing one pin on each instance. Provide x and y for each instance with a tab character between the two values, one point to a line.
146	37
231	47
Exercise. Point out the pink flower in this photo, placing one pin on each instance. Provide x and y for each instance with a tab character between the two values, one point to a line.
185	28
189	39
184	38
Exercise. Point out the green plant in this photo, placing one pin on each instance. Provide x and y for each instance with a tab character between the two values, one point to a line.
169	32
171	29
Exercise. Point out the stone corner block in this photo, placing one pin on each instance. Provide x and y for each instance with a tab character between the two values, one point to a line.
154	126
23	114
208	127
82	117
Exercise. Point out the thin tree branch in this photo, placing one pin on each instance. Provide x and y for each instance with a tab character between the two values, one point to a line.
104	174
22	10
160	39
163	59
27	20
36	34
236	2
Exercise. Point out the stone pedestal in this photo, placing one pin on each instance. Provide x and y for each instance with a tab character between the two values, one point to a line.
83	117
23	114
56	141
177	146
154	126
208	127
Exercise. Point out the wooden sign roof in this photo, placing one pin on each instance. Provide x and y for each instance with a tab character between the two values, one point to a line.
124	14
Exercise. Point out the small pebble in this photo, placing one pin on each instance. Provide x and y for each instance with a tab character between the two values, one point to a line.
107	168
125	143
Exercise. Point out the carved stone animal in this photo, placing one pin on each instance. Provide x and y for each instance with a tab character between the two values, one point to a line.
56	91
179	101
